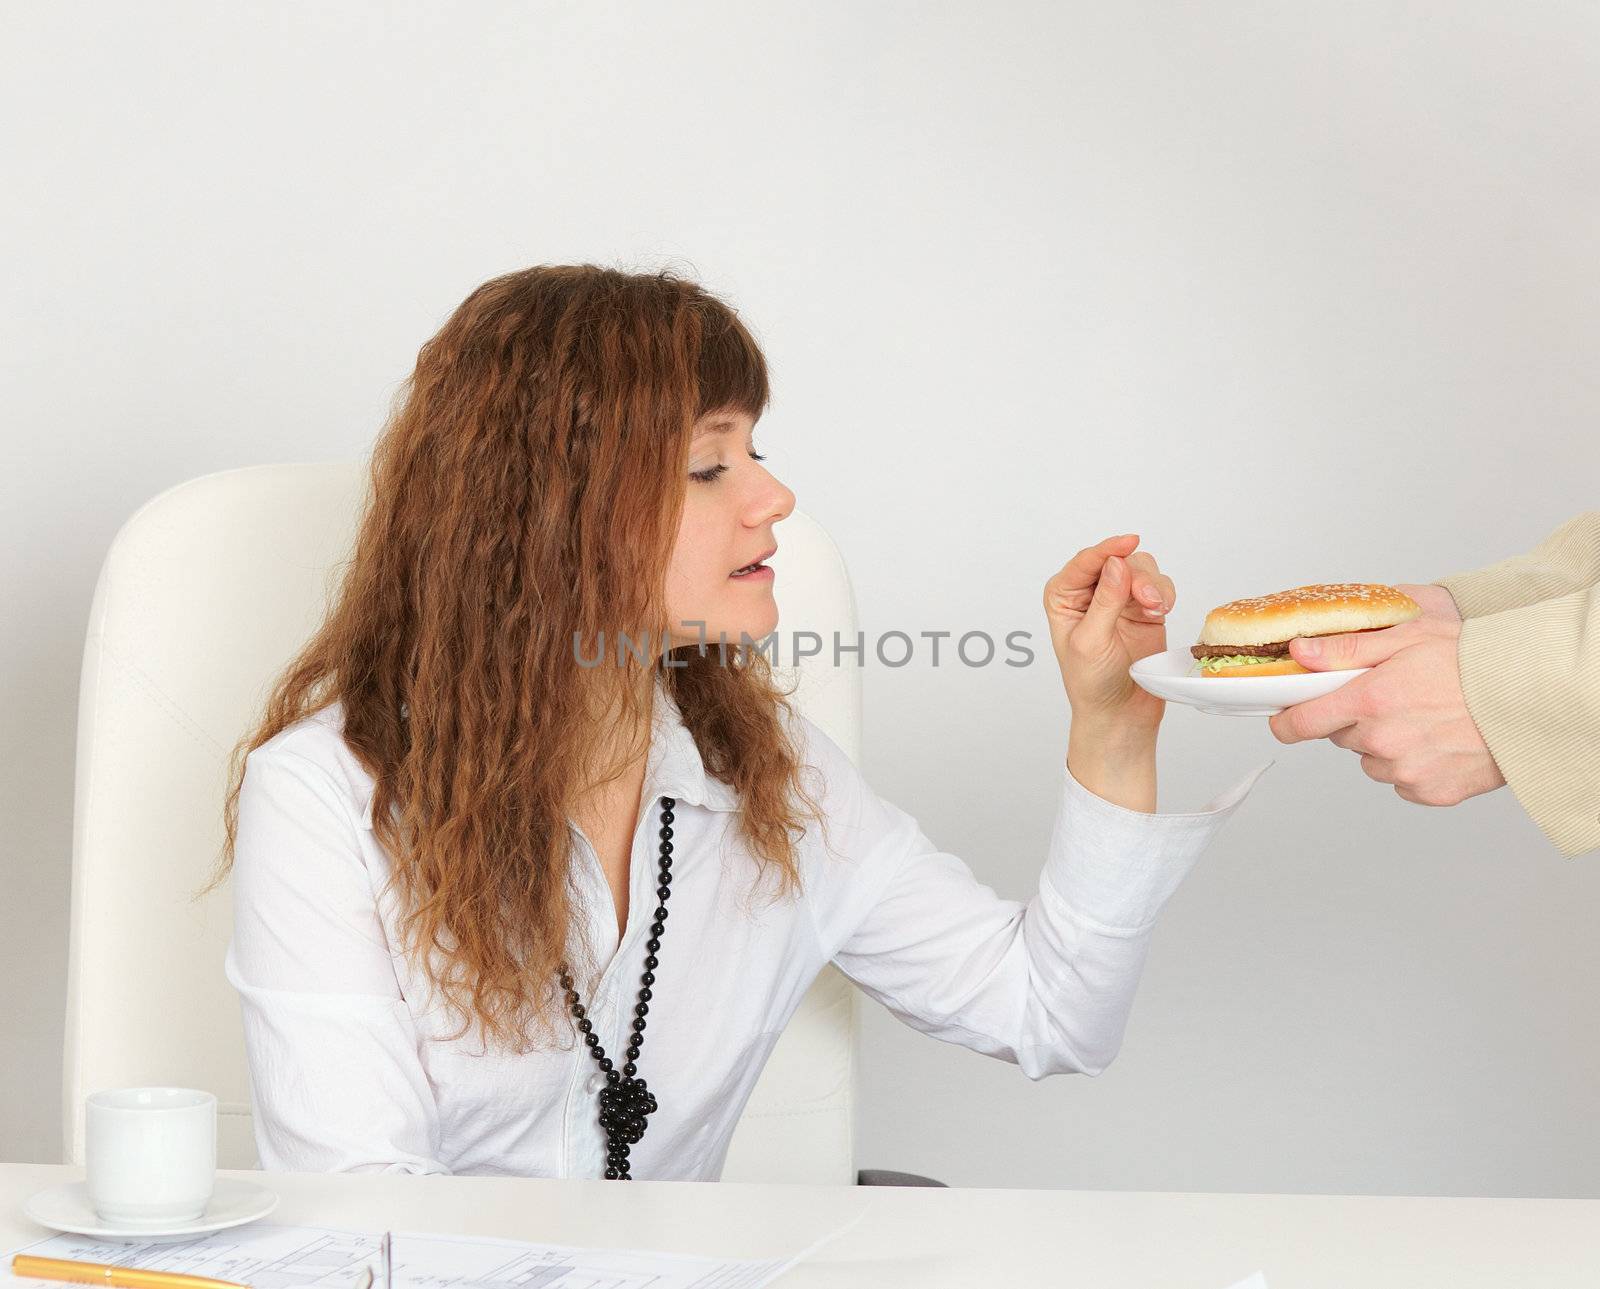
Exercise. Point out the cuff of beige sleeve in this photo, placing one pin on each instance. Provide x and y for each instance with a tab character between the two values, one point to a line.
1542	734
1476	593
1117	867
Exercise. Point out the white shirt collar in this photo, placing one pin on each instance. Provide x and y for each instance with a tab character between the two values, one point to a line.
674	768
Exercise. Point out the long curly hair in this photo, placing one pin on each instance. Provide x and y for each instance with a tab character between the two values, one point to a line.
524	502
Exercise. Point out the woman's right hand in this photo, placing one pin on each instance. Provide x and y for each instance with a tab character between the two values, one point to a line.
1107	608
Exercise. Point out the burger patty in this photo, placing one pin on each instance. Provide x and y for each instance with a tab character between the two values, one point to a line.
1279	650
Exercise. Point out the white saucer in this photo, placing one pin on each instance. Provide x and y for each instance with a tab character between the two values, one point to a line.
1172	675
67	1208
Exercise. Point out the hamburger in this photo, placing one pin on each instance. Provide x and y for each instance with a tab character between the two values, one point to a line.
1251	637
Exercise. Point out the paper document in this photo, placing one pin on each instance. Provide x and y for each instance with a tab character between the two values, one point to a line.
268	1256
262	1255
472	1262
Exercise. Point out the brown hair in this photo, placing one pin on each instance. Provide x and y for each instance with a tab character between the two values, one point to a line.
525	496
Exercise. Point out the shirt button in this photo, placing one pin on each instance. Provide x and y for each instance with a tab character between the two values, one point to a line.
595	1082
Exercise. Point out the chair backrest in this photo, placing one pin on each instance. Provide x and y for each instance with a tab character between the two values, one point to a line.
206	593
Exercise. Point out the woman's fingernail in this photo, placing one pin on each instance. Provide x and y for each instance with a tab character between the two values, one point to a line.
1311	648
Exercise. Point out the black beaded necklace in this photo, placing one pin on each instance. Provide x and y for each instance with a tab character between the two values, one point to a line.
625	1100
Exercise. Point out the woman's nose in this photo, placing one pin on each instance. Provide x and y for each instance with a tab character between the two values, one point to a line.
772	501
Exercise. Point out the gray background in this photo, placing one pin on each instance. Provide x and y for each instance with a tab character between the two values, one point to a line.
1300	293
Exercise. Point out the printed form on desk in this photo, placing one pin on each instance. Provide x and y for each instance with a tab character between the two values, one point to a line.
264	1255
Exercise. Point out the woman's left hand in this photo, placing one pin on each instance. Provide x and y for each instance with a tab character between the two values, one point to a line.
1107	609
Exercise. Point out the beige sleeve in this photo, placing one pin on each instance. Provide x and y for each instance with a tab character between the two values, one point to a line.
1566	561
1531	678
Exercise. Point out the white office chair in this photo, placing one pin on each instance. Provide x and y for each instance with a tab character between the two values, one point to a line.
206	593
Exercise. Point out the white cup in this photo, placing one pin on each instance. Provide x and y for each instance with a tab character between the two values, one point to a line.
151	1154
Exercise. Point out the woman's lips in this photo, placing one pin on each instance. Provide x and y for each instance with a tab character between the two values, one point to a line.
760	573
757	567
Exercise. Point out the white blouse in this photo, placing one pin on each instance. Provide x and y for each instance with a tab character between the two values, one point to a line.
351	1063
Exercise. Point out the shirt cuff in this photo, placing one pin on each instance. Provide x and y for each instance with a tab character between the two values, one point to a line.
1117	867
1479	592
1517	673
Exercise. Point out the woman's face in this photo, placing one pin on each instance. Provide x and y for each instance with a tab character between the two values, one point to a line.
728	516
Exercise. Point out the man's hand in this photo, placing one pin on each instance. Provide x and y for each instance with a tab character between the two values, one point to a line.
1406	718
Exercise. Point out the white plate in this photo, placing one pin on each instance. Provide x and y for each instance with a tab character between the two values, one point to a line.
67	1208
1171	675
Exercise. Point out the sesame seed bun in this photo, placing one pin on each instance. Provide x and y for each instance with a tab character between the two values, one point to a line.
1326	608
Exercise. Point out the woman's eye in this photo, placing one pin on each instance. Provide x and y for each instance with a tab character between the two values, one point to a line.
713	473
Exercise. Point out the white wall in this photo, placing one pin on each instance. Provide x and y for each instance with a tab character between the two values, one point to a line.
1298	292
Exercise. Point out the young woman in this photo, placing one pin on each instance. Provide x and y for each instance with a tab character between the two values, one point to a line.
516	895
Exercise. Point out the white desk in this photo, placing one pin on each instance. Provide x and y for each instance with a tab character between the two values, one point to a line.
935	1237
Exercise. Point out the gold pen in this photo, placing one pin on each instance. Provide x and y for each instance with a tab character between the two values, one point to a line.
28	1267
